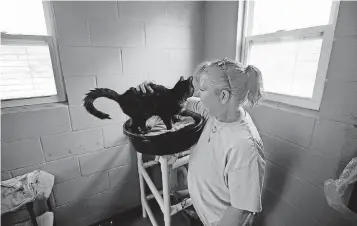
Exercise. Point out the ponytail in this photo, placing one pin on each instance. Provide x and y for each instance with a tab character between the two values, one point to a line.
254	84
244	82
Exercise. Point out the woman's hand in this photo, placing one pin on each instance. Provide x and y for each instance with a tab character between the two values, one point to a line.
145	86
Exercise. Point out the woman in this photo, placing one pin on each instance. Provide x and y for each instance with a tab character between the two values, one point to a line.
227	166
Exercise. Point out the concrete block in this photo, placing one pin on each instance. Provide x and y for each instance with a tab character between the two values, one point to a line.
159	67
279	212
166	36
113	135
317	169
20	154
34	123
81	119
133	80
63	170
335	140
115	32
70	212
135	60
283	183
5	176
72	30
166	79
149	12
87	10
339	102
313	201
94	218
291	215
90	61
99	202
222	18
77	87
293	127
117	83
184	61
185	13
347	19
79	188
349	149
300	162
104	160
119	199
158	61
268	216
71	26
342	66
74	143
99	9
124	174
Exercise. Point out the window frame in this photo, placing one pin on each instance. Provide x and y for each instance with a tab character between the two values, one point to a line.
51	41
244	41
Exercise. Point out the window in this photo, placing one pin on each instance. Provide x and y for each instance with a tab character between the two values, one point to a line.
290	42
29	66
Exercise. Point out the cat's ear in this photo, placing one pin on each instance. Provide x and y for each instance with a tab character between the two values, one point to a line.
190	79
182	79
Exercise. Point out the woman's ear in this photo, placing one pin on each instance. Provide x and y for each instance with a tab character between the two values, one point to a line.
224	96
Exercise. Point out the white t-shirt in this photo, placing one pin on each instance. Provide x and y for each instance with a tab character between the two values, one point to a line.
226	167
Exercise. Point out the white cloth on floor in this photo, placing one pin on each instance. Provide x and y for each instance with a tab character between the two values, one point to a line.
26	188
336	190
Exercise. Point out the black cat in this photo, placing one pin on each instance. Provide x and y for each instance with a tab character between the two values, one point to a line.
163	102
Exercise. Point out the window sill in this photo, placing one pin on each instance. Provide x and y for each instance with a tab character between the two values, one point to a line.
290	108
35	107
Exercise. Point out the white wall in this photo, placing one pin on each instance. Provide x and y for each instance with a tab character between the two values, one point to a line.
220	29
303	148
101	44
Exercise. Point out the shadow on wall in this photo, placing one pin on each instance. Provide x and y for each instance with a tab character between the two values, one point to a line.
275	180
122	195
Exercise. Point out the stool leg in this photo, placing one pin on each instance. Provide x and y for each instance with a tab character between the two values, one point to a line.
166	191
141	182
29	207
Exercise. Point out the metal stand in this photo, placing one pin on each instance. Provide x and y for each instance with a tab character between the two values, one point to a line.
163	201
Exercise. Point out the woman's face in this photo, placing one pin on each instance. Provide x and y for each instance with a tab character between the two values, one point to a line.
210	99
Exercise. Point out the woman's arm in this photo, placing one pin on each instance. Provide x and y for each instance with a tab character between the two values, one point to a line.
234	217
194	104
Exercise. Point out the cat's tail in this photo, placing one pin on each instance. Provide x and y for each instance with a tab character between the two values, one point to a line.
97	93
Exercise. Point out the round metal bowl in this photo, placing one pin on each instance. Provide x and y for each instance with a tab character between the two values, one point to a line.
167	143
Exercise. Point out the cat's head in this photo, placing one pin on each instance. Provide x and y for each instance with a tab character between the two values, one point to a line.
185	87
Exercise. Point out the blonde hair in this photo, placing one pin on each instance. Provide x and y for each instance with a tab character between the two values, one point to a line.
245	82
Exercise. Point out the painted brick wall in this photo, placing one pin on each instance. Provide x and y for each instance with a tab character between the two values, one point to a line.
303	148
101	44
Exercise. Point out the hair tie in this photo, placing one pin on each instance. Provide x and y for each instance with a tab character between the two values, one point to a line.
223	61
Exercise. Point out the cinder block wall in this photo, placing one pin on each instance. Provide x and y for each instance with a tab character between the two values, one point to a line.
101	44
303	148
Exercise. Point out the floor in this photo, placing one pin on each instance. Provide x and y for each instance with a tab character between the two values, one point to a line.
134	218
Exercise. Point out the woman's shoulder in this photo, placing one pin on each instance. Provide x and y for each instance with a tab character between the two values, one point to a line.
244	138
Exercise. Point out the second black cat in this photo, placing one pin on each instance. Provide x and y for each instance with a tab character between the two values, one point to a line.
163	102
